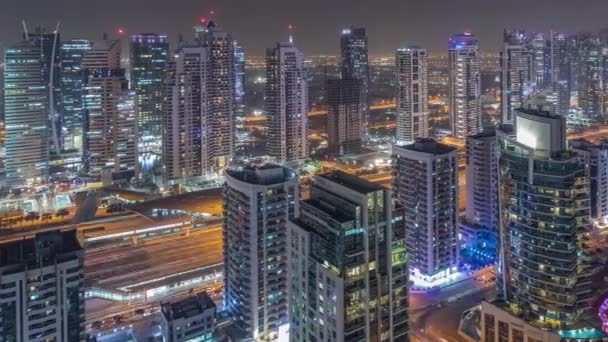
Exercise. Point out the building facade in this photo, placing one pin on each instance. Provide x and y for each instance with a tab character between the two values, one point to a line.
412	93
343	246
345	115
258	202
198	120
286	103
149	55
464	85
595	156
219	118
516	77
110	138
190	319
482	180
541	272
72	87
42	289
26	114
425	179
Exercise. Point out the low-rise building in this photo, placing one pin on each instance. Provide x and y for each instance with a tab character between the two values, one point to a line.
191	319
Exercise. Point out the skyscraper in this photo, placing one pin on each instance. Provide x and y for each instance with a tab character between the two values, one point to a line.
26	114
426	185
412	93
482	180
149	55
286	103
50	43
536	47
198	124
72	84
239	73
42	288
219	120
595	156
345	111
355	64
110	114
464	85
516	78
353	48
348	265
590	76
185	153
541	272
258	202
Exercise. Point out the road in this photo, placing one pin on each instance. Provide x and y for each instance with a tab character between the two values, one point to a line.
434	316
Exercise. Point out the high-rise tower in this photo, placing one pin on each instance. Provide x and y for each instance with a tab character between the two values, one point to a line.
426	185
149	55
286	103
412	93
258	202
516	78
26	114
464	85
346	108
347	264
110	114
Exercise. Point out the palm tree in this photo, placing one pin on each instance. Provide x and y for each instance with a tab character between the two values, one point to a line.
46	216
62	213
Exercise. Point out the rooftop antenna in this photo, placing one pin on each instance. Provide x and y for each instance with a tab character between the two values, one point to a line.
27	36
290	29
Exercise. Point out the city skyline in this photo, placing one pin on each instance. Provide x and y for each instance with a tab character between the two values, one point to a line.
396	22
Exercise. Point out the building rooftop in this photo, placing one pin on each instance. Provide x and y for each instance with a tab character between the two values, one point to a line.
187	308
267	174
427	145
489	132
44	246
352	182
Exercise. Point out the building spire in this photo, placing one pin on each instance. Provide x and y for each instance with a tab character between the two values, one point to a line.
290	29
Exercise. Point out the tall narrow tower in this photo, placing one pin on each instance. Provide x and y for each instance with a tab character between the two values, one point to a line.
516	82
26	114
149	55
286	103
464	85
412	93
258	202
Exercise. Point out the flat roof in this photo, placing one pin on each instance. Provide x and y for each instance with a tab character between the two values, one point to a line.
189	307
352	182
428	146
47	245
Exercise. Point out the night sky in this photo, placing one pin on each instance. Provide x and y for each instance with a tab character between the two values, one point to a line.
260	23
